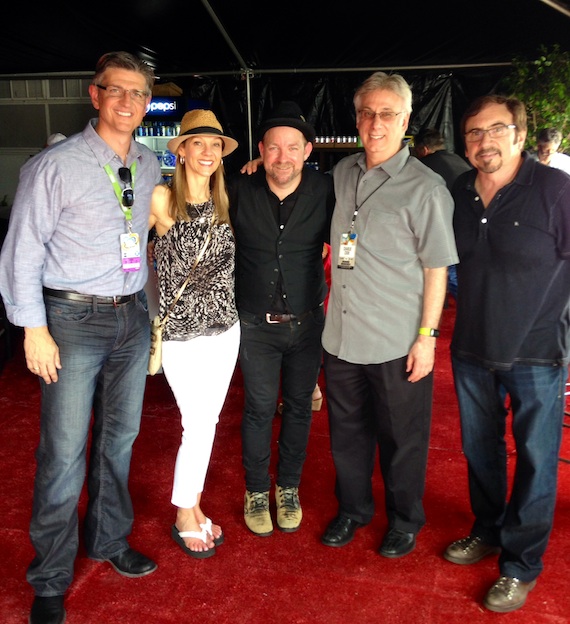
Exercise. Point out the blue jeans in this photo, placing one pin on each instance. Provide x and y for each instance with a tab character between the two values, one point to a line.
104	357
522	524
452	280
293	352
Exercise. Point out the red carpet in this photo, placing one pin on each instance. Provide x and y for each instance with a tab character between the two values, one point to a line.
285	578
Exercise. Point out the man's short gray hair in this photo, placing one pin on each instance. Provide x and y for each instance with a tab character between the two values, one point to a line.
390	82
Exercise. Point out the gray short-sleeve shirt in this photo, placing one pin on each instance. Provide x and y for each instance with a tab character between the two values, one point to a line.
404	225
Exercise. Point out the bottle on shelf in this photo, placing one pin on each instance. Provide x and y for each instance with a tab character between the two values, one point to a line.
155	135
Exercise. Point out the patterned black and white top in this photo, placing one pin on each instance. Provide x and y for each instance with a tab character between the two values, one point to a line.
207	305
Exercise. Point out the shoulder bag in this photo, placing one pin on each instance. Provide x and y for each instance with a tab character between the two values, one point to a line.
157	325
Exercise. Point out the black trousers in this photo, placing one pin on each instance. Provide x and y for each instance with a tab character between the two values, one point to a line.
289	353
372	406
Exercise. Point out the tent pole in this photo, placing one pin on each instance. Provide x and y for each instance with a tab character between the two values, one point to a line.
248	77
225	35
559	6
245	71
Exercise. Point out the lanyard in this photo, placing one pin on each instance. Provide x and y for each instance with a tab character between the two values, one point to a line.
127	211
356	206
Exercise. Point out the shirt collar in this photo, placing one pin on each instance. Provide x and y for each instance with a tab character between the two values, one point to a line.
102	151
524	175
392	166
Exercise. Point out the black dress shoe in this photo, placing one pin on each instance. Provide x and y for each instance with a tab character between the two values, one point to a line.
132	564
47	610
397	544
340	531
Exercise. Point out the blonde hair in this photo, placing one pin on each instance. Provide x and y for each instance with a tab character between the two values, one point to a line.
177	208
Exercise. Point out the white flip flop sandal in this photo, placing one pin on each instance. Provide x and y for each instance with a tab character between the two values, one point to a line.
178	537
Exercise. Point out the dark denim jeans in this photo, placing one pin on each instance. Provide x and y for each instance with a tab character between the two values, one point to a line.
452	280
522	524
104	356
293	352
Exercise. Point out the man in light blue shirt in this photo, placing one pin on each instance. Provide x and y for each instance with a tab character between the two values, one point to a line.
72	273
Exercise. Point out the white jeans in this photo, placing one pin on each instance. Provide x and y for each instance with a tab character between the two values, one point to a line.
199	372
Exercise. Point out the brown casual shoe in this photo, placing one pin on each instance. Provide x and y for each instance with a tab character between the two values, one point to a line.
256	513
507	594
469	550
289	512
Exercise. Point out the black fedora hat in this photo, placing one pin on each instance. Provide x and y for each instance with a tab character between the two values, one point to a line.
287	114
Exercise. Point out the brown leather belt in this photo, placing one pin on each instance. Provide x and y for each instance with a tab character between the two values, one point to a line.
273	318
279	318
94	299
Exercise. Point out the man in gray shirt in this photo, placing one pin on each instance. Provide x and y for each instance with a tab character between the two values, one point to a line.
72	274
392	241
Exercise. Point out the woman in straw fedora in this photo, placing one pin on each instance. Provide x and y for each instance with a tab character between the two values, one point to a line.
201	335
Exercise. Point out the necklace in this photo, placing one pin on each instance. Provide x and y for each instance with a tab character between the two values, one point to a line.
196	212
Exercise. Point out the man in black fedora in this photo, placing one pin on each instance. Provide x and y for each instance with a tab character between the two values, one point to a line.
281	217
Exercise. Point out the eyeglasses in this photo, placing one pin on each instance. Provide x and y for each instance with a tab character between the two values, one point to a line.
128	193
113	91
369	115
495	132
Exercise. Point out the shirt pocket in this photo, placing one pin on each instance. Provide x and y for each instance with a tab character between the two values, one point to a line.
385	233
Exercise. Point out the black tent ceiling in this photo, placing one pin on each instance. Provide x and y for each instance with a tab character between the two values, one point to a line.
184	37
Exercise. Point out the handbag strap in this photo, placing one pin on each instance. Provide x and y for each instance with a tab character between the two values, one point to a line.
198	258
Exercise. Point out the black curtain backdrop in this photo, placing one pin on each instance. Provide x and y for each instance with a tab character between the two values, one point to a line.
439	100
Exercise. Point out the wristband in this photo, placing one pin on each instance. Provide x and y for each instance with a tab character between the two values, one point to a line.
428	331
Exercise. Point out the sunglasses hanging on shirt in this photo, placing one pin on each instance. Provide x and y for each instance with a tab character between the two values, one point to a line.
128	196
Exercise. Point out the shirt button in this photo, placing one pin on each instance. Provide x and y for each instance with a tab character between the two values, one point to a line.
483	220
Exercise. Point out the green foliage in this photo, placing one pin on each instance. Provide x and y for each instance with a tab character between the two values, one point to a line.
543	84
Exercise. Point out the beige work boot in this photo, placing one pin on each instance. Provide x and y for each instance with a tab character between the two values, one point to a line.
508	594
289	512
256	513
470	549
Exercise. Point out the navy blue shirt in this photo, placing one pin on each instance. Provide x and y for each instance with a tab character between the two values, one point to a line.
513	304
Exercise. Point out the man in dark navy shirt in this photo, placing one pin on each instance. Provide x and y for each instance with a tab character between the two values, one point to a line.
512	227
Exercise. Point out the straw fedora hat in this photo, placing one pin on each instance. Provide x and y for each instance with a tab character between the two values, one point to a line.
202	122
